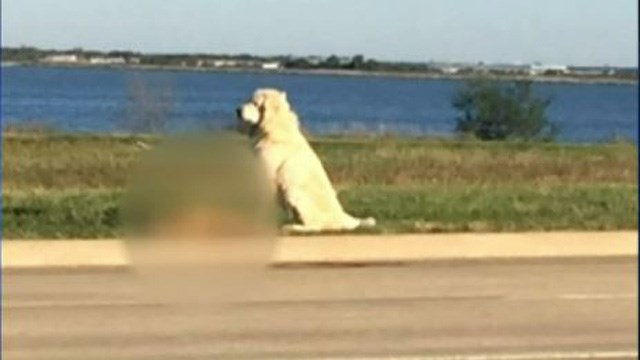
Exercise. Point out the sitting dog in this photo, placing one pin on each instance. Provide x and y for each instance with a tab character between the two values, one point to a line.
293	168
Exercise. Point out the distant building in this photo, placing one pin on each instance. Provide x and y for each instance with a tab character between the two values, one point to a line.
450	70
274	65
588	70
537	69
134	60
523	69
99	60
506	68
61	58
221	63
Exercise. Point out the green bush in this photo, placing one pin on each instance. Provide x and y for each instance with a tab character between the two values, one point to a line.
490	110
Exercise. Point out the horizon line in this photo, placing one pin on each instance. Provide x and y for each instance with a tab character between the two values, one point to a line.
232	54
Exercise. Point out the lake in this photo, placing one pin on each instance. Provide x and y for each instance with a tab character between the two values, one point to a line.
104	100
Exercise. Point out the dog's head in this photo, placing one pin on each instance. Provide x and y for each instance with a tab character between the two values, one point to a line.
268	111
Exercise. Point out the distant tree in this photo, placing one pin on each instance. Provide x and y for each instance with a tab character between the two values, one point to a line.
371	64
332	62
357	62
298	63
23	53
498	111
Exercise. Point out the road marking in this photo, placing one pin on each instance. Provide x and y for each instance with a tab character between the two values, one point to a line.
573	297
574	355
596	296
73	304
26	304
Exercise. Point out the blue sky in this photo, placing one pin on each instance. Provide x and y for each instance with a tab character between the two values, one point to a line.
581	32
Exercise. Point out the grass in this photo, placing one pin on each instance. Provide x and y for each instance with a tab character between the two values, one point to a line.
64	214
438	208
58	186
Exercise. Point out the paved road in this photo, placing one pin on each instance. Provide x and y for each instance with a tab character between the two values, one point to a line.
509	310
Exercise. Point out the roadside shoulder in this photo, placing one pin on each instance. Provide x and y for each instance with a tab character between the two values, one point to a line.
349	249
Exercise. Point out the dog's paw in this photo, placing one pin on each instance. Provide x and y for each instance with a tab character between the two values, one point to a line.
298	229
368	222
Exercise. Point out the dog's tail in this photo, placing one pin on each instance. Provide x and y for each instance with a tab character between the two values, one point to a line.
367	222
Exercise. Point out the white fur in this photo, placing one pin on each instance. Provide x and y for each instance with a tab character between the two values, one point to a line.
293	168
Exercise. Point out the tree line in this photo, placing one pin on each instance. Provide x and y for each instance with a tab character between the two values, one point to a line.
355	62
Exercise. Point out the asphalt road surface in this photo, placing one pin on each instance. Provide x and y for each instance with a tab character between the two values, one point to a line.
552	309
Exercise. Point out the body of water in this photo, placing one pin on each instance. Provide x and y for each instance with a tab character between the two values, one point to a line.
101	100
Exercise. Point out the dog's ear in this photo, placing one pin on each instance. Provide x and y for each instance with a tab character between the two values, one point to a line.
259	98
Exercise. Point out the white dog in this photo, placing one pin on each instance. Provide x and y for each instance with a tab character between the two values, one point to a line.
292	166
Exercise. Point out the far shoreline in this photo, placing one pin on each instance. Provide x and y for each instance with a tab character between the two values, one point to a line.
550	79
